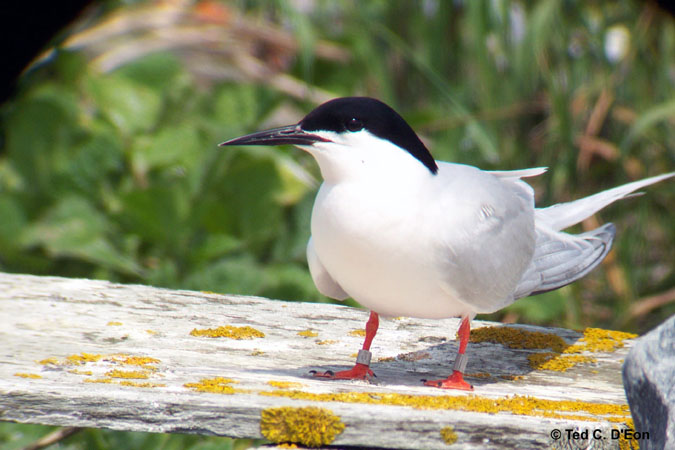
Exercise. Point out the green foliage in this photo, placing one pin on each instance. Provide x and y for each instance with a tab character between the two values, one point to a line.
118	175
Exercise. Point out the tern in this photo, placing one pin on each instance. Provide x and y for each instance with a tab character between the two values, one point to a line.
406	235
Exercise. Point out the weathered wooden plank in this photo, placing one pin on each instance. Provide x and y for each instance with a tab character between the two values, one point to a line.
101	326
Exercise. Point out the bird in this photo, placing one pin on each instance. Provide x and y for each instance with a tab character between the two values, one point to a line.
406	235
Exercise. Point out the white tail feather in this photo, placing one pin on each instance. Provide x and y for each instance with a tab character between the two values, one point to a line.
563	215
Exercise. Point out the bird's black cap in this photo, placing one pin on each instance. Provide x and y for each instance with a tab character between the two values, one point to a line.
347	114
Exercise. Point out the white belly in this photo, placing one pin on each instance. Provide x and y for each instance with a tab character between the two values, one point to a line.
380	254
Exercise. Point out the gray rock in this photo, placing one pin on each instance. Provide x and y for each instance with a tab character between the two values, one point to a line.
649	381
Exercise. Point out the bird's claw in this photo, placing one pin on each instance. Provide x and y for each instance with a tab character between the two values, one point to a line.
358	372
454	381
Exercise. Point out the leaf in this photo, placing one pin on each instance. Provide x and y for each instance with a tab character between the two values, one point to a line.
661	112
238	275
131	106
12	222
249	197
157	214
172	146
73	228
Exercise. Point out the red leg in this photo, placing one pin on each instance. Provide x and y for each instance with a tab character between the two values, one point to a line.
456	380
361	370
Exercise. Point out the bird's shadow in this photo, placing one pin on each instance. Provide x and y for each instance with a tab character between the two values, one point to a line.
489	364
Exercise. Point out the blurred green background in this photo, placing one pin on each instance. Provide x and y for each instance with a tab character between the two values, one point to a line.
109	165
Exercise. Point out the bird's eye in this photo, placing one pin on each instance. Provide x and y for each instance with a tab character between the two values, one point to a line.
354	124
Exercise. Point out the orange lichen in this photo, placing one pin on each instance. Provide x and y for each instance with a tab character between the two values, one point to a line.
27	375
229	331
307	333
448	434
217	385
309	425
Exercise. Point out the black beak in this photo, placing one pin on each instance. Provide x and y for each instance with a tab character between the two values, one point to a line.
291	134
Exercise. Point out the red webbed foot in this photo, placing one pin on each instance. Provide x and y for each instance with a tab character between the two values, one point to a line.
358	372
454	381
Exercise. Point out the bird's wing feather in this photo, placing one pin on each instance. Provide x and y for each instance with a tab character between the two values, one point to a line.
487	234
560	258
322	279
563	215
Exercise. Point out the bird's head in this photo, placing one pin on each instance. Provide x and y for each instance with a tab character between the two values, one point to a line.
352	137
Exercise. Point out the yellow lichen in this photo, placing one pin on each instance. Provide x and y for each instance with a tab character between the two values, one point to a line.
127	374
326	342
556	361
516	338
528	406
358	333
599	340
594	340
99	380
217	385
27	375
308	333
448	434
284	384
229	331
153	332
511	377
386	359
143	361
83	358
257	353
146	384
478	375
114	324
52	361
413	356
309	426
80	372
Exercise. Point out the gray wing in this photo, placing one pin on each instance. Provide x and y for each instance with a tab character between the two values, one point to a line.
560	259
322	279
489	234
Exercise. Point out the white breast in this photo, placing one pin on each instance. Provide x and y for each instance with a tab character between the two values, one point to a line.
386	245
